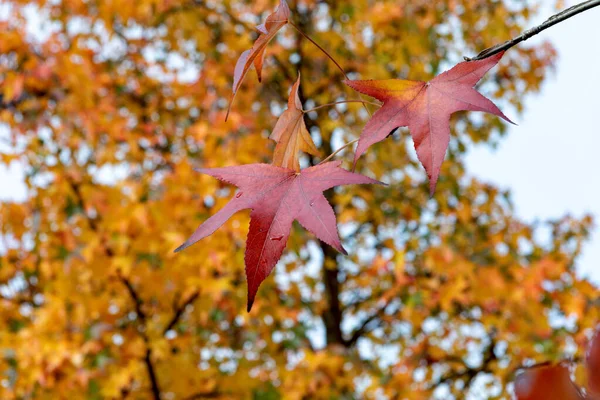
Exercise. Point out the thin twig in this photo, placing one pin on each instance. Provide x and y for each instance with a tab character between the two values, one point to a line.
327	54
553	20
341	102
338	150
320	48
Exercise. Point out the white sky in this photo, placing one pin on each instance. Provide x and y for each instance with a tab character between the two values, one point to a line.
549	160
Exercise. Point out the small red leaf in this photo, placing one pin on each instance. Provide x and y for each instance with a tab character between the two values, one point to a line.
549	382
277	197
425	107
593	364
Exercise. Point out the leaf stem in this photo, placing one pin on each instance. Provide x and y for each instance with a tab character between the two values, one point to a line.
319	47
329	157
553	20
300	31
340	102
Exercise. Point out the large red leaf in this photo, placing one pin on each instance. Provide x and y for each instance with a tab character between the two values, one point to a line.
256	55
549	382
277	197
425	107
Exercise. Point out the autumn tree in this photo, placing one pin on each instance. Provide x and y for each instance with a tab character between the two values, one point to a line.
110	107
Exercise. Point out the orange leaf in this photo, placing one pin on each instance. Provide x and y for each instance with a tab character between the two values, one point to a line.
291	134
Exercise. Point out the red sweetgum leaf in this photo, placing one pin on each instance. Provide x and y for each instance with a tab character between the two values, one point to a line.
291	134
548	382
425	107
277	197
256	55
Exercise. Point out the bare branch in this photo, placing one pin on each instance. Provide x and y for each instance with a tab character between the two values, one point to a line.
151	373
137	301
470	373
142	320
366	326
553	20
179	311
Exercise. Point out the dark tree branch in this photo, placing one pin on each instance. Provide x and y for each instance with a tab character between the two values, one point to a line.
179	312
469	373
366	326
553	20
283	68
137	301
151	373
332	316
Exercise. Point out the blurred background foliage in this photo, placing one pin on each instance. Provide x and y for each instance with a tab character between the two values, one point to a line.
109	106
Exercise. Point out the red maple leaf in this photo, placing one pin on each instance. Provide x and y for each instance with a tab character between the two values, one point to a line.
425	107
256	55
277	197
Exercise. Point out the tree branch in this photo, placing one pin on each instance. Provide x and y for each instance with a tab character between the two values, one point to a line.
332	315
553	20
180	310
470	373
151	373
143	318
137	301
365	327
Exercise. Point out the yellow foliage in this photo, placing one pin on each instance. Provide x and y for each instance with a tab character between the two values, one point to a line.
111	105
